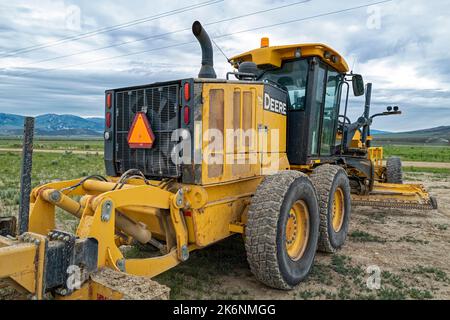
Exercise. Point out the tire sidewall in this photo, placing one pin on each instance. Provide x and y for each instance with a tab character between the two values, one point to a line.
295	271
337	239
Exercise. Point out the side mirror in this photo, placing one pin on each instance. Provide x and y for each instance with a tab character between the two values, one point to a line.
358	85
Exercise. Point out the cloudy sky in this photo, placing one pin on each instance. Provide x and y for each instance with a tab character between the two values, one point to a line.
59	56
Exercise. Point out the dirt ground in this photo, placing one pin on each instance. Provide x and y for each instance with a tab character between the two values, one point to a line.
408	248
435	165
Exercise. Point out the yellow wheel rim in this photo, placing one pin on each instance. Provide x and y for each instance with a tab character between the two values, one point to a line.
338	210
297	230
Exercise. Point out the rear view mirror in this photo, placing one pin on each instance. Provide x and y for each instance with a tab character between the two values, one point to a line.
358	85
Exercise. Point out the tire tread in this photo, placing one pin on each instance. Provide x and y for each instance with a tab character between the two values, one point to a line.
262	227
394	172
322	178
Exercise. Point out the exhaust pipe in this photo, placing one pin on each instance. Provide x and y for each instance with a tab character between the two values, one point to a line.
207	69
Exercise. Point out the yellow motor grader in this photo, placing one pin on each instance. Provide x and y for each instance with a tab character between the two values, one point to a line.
271	155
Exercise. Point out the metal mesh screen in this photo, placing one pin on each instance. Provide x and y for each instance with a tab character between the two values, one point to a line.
161	105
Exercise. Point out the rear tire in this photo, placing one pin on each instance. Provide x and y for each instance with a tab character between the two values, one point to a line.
394	172
333	191
282	230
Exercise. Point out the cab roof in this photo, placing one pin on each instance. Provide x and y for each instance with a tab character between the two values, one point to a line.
274	56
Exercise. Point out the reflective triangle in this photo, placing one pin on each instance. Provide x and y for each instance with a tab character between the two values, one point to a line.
140	135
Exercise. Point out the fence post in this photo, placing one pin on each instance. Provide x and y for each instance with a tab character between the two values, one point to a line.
25	174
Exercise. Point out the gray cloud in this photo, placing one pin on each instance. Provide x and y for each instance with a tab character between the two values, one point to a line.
407	58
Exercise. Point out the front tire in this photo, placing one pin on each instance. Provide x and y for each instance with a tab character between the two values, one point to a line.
333	192
394	172
282	230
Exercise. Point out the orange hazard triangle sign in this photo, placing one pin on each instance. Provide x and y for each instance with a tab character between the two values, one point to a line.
140	135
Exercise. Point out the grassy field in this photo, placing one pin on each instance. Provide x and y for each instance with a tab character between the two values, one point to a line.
407	153
418	153
46	167
39	143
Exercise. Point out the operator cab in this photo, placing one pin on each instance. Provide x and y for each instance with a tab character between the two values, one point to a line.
314	76
313	107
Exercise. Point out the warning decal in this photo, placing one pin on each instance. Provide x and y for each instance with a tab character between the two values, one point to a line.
140	135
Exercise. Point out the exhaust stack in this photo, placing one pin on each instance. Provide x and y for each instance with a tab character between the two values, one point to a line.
207	69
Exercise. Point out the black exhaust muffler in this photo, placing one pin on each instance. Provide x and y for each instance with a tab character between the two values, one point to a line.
207	69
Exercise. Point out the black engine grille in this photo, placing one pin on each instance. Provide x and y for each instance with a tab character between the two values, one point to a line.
161	105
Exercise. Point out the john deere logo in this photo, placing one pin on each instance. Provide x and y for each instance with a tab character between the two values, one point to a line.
273	105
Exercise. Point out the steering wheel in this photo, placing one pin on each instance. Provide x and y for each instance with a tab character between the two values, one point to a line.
299	104
341	124
346	119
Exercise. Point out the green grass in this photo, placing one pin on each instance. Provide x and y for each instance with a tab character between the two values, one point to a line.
47	144
418	153
442	227
430	272
342	265
362	236
407	153
46	168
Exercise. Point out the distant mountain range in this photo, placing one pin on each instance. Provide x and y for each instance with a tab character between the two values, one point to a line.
438	135
52	125
374	132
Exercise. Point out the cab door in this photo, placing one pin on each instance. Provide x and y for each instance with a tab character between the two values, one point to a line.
323	114
330	113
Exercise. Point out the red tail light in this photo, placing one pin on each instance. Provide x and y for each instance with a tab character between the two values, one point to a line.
109	100
186	115
187	91
108	119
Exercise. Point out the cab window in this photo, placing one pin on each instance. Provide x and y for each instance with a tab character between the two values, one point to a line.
293	76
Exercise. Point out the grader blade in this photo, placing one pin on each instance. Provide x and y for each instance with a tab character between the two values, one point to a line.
399	196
